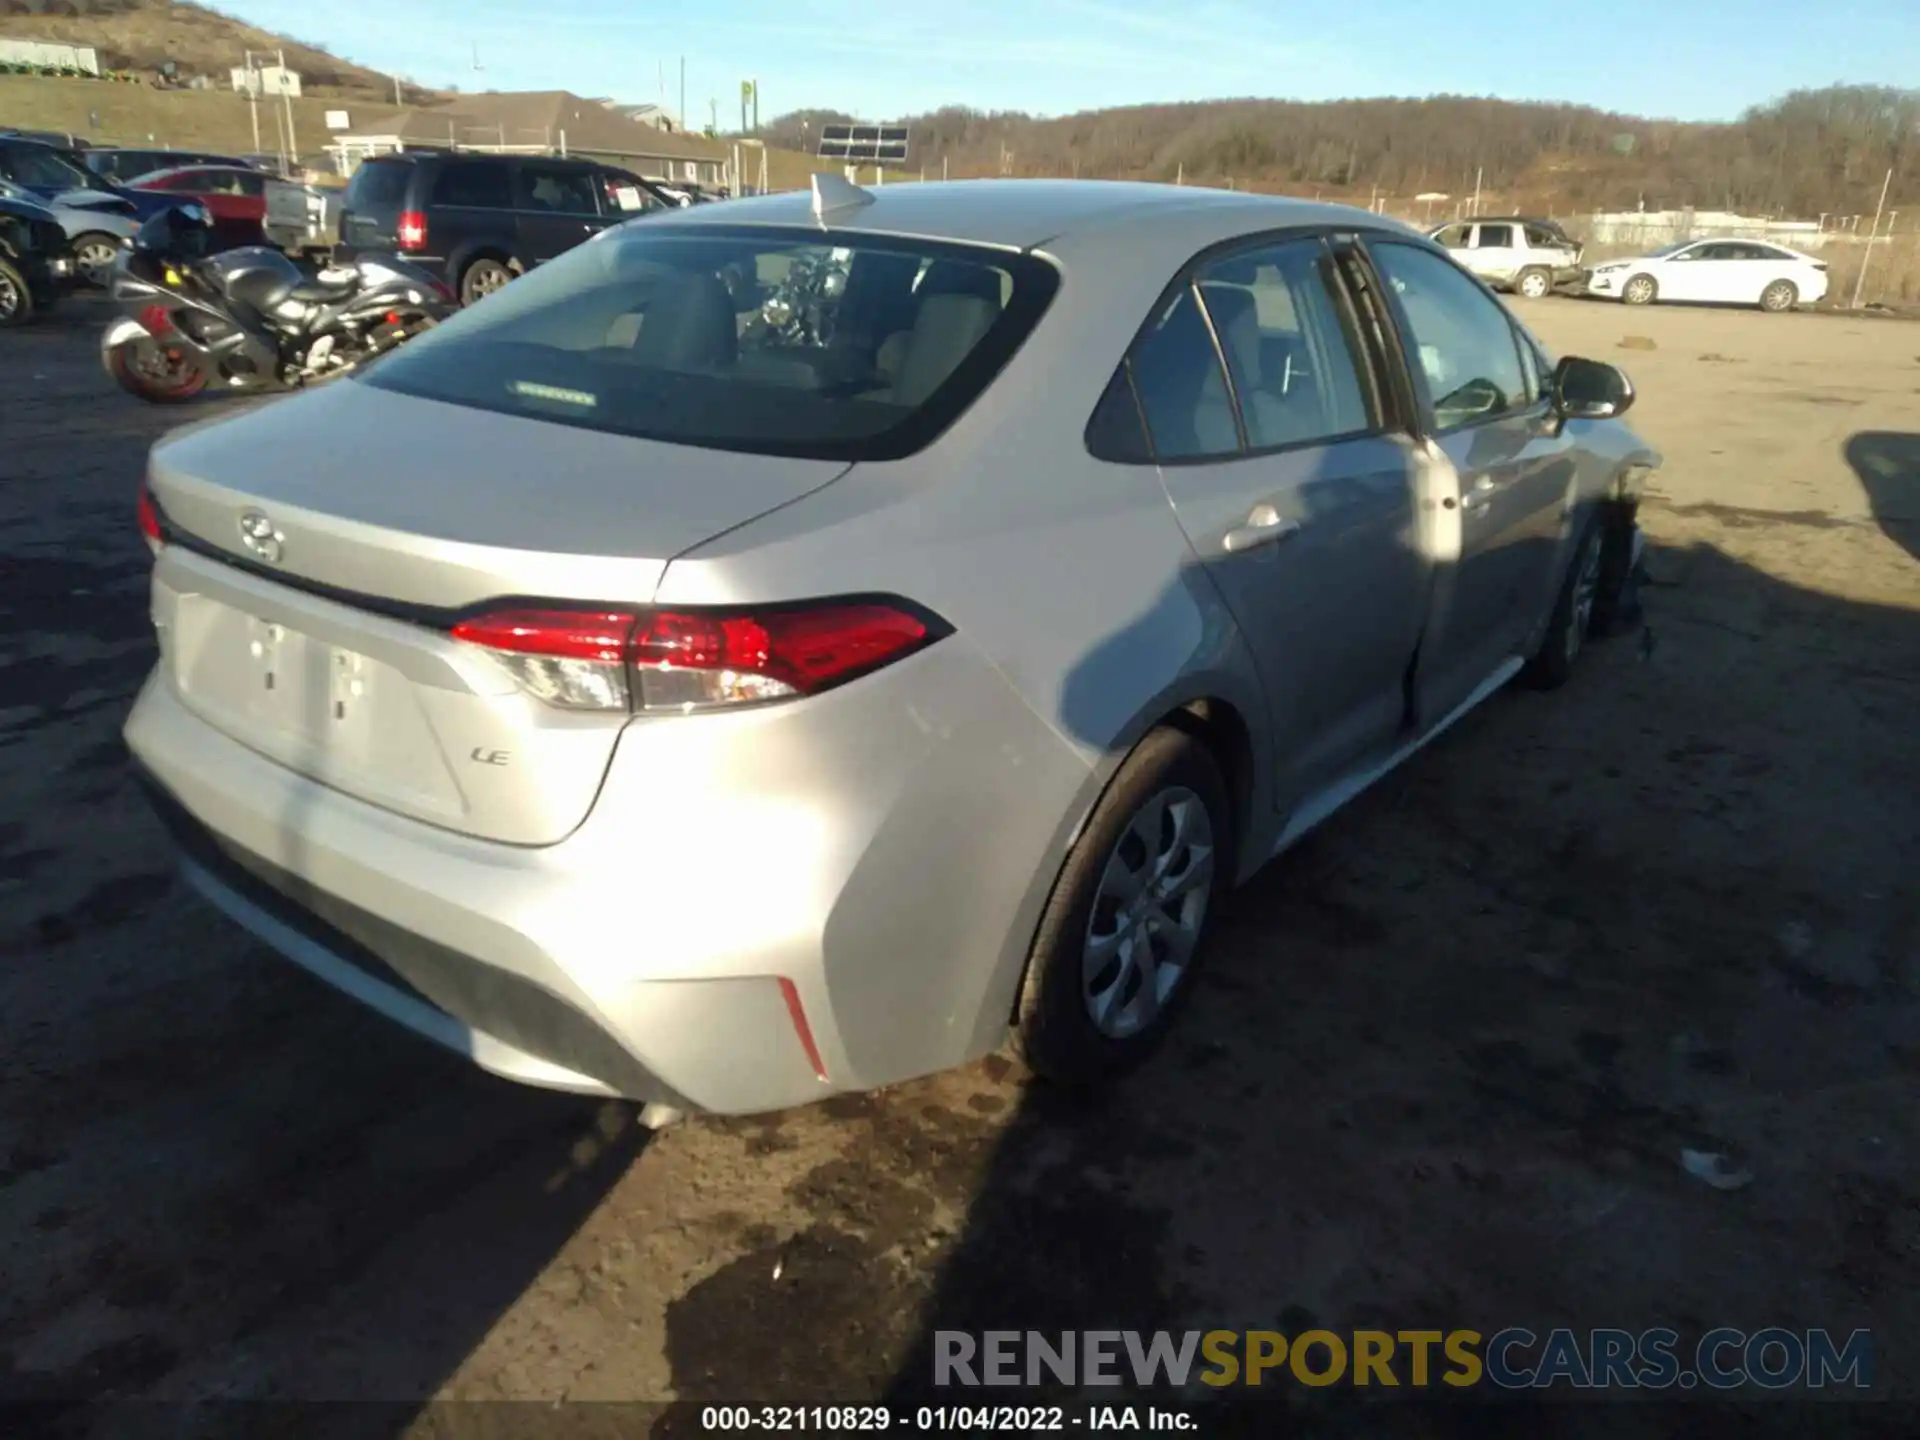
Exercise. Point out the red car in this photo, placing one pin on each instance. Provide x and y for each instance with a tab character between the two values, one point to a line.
234	195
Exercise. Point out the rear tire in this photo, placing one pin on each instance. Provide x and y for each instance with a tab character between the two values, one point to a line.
1533	284
1573	612
1640	290
16	299
481	278
1780	297
1123	934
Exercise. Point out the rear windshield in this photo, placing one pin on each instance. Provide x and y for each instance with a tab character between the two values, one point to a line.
379	186
776	342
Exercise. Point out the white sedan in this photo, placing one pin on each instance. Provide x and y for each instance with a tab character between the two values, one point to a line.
1728	272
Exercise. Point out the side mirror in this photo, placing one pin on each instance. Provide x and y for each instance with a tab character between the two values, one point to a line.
1590	390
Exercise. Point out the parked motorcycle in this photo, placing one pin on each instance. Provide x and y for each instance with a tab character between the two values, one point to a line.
800	310
251	319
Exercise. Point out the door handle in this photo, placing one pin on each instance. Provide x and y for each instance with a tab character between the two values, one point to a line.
1264	527
1480	494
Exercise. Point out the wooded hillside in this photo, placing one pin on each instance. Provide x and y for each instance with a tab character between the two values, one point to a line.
1809	152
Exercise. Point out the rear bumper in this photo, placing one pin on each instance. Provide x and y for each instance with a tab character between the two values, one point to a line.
876	862
502	1021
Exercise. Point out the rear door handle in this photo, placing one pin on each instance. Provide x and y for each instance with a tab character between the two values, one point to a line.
1264	527
1480	494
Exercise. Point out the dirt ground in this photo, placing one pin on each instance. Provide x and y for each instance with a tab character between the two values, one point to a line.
1440	1073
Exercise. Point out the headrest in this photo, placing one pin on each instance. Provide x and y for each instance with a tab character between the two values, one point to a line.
689	325
954	277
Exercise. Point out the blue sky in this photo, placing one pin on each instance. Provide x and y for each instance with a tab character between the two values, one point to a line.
1690	59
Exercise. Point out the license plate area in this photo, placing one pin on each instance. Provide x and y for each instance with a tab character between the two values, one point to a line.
321	708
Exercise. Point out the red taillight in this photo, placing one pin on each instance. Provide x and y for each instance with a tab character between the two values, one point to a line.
557	634
695	659
151	529
412	231
804	650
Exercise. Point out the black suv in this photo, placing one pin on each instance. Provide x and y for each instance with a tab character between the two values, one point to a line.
36	267
480	220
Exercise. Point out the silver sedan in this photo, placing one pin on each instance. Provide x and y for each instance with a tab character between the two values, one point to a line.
781	648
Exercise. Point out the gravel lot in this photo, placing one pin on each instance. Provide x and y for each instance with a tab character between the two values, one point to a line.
1441	1071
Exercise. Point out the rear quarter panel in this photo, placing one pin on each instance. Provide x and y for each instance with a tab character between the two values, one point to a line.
1069	575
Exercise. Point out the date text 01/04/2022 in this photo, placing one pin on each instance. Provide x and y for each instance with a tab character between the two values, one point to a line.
936	1419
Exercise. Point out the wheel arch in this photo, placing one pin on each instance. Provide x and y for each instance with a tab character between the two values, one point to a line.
1218	723
489	247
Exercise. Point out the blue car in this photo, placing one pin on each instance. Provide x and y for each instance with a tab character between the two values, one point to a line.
48	171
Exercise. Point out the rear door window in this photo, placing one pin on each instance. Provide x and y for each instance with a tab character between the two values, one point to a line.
1495	237
474	185
1183	391
558	189
763	340
1293	357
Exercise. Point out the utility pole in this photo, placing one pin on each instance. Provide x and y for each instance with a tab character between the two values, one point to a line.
713	114
756	107
253	100
1478	173
286	99
396	91
1860	284
683	92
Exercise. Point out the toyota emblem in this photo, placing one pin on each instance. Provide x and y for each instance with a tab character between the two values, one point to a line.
258	534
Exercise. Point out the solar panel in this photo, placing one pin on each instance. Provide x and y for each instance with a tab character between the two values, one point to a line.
864	144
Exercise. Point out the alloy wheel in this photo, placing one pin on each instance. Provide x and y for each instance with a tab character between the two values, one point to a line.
9	298
95	260
1148	912
484	279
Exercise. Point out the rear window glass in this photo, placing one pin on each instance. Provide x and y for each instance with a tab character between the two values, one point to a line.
376	185
770	341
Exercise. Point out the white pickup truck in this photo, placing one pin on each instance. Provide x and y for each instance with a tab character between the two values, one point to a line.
301	218
1513	252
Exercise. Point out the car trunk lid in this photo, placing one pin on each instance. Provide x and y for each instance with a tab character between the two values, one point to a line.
324	546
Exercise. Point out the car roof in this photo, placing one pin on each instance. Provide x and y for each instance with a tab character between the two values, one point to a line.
169	171
1022	214
417	157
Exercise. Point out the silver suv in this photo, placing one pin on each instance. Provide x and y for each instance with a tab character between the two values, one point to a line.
1511	252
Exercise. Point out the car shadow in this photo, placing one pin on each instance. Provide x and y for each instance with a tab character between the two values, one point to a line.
1449	1052
219	1179
1888	464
